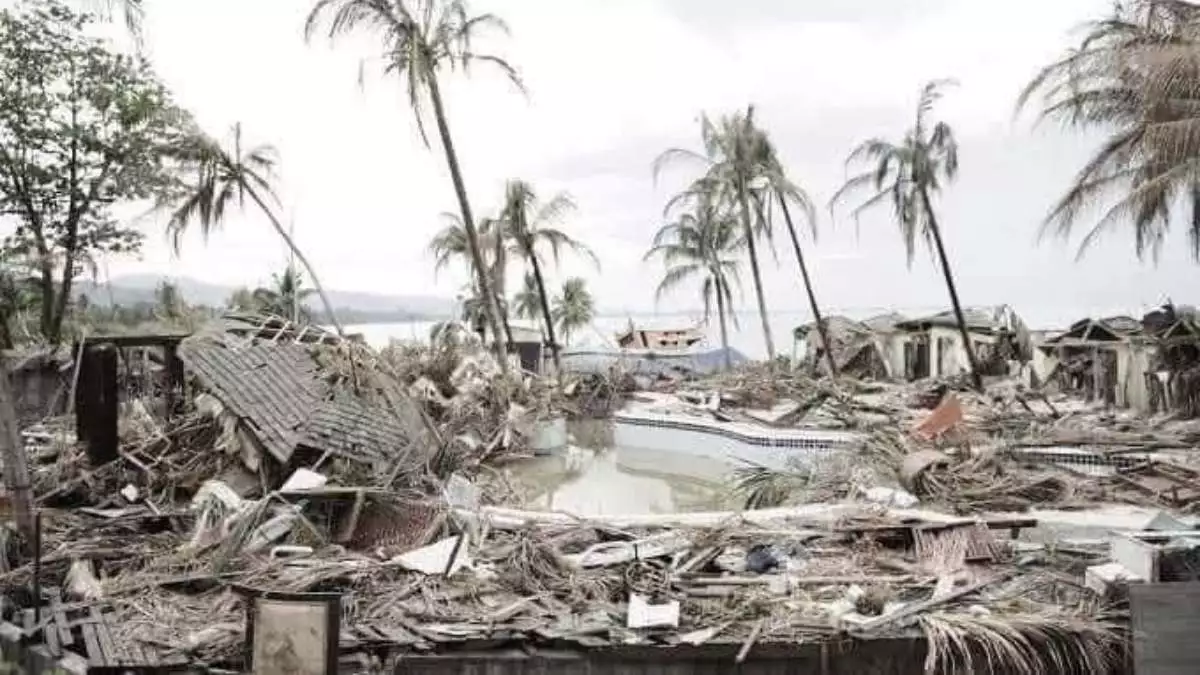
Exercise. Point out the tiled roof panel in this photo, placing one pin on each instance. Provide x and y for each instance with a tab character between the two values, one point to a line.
278	391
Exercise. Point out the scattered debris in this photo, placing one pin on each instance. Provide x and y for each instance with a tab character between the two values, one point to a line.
316	464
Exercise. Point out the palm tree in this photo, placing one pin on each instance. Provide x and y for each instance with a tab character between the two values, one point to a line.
774	187
421	37
225	177
908	174
529	226
733	159
286	296
526	303
1135	77
574	309
702	243
451	245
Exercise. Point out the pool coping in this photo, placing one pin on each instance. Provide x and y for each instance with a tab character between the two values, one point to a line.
824	439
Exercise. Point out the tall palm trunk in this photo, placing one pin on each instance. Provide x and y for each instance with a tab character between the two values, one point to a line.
16	468
976	378
491	307
748	225
545	301
312	272
499	272
812	297
720	284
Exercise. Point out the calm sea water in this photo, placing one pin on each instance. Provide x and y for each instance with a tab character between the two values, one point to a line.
746	336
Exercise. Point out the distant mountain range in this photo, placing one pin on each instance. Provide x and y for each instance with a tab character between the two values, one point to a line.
352	306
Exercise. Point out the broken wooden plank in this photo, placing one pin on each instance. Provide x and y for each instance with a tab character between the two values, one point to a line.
111	655
65	636
918	607
95	654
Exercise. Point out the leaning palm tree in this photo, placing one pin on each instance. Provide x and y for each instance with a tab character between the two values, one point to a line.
529	227
775	188
574	309
908	174
1135	77
732	158
702	243
419	39
218	178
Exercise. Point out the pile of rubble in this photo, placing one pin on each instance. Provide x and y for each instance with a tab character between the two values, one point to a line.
334	468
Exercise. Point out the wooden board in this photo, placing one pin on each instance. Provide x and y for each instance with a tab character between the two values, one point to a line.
1166	628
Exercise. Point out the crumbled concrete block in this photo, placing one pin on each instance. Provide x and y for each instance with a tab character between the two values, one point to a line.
1100	578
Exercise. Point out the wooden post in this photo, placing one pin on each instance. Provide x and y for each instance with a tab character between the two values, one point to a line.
84	382
175	379
104	406
16	465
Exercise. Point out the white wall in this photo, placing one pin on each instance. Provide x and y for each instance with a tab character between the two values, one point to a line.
1133	362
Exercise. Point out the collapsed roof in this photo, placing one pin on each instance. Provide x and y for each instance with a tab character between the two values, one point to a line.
279	394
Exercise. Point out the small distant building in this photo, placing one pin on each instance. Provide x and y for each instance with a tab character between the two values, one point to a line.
659	339
530	348
529	345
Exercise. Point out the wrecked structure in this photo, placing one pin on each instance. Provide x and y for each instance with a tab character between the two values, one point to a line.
890	346
1103	360
918	548
1151	365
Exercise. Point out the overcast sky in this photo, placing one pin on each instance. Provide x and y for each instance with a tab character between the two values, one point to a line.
614	82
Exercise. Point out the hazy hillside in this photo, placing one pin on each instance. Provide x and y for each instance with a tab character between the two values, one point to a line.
132	289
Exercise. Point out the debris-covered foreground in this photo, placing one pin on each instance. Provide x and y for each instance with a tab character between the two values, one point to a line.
912	534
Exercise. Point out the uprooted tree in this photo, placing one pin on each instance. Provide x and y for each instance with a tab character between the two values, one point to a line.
84	130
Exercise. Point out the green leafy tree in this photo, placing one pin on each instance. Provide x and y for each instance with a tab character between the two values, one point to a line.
529	227
1133	77
82	129
733	158
574	308
702	245
420	40
908	174
218	178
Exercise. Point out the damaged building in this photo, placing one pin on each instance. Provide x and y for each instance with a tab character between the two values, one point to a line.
1150	365
890	346
1103	360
